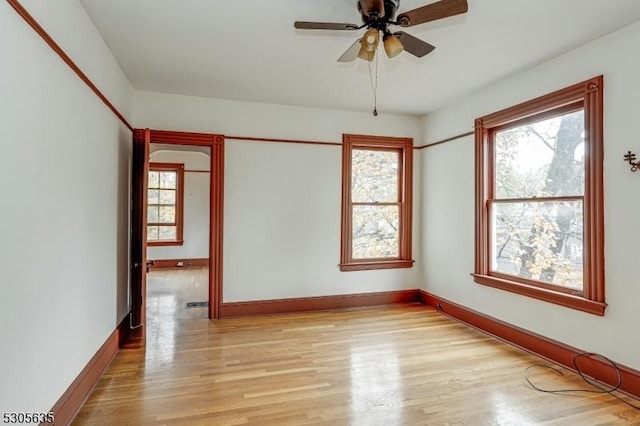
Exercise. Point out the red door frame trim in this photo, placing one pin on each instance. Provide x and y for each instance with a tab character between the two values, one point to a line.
216	204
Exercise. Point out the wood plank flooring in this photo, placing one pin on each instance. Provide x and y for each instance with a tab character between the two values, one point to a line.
169	290
388	365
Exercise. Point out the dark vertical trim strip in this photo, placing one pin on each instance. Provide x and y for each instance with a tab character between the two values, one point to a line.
482	184
138	241
217	226
58	50
594	189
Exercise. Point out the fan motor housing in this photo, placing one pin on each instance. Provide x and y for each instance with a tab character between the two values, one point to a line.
390	9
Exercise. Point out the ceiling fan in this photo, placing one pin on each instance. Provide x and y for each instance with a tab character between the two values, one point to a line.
377	16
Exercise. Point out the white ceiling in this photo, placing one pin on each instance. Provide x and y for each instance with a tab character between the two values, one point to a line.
248	50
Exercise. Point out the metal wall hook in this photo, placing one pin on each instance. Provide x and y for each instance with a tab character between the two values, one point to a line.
631	158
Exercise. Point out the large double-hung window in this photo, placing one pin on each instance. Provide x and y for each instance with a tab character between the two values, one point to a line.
376	202
539	202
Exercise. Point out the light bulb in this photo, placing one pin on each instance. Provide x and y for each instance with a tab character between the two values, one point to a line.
370	40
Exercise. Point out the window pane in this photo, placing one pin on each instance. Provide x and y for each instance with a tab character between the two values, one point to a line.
152	214
374	176
541	159
154	180
539	241
167	214
375	232
167	232
152	233
167	196
152	197
168	180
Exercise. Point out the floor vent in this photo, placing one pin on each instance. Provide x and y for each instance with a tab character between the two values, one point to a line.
197	305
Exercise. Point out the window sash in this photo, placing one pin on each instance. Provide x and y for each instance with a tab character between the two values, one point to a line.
532	119
517	278
398	177
158	229
353	239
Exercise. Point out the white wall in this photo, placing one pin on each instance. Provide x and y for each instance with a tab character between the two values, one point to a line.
282	201
448	206
196	207
63	221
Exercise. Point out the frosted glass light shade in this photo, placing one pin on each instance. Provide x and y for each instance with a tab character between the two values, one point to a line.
370	40
392	46
366	55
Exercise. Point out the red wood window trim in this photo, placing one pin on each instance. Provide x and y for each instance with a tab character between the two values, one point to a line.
404	148
587	95
179	223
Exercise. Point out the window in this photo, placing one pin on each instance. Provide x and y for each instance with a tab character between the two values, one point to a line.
165	204
539	201
376	202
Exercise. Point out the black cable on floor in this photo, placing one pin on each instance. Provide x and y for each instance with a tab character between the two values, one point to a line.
599	389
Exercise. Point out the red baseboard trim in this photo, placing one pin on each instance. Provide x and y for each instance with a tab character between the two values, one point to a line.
178	263
549	349
77	393
320	303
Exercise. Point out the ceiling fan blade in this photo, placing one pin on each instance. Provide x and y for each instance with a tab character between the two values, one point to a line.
432	12
372	6
352	53
304	25
414	45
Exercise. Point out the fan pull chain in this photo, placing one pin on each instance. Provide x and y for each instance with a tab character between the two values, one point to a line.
374	84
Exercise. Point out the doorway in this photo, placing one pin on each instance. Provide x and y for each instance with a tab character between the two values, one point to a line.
157	219
178	220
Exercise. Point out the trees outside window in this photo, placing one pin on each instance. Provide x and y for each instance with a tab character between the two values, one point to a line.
165	204
539	218
376	202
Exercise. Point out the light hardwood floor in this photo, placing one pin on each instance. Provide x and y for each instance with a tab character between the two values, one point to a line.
169	290
389	365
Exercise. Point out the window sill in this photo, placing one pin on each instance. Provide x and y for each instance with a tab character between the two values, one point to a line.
165	243
376	264
558	298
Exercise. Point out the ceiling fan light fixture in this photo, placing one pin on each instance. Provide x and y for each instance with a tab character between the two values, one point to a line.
392	46
370	40
366	55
